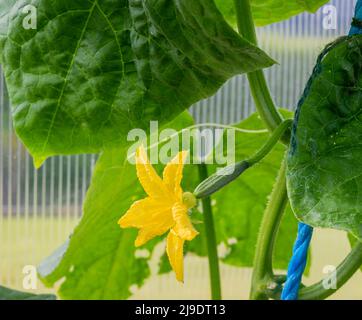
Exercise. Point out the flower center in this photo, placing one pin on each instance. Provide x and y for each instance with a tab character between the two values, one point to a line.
189	200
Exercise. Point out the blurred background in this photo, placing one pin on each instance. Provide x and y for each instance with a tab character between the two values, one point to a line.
39	208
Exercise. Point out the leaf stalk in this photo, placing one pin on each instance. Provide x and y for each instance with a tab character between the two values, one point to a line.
258	85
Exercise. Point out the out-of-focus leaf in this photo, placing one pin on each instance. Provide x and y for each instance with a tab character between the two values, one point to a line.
269	11
101	261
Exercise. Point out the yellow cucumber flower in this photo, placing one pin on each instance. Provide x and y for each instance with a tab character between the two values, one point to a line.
165	208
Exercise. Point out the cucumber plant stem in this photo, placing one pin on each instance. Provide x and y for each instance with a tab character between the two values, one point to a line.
210	240
263	261
272	141
258	86
345	271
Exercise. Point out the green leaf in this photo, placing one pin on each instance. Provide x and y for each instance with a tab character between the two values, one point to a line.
93	70
267	12
10	294
101	261
324	165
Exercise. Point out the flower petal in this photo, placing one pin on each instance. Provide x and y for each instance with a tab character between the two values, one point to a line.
172	174
183	226
148	177
145	235
174	249
152	217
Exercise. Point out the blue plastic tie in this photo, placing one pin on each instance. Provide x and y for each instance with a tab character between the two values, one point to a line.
297	263
300	250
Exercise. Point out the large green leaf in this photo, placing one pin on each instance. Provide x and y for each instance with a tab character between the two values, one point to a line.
270	11
10	294
93	70
101	261
324	166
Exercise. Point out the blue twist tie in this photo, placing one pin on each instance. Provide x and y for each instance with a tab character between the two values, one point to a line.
297	263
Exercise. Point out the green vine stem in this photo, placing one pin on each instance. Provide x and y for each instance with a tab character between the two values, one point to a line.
345	271
263	261
272	141
210	240
258	86
228	174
